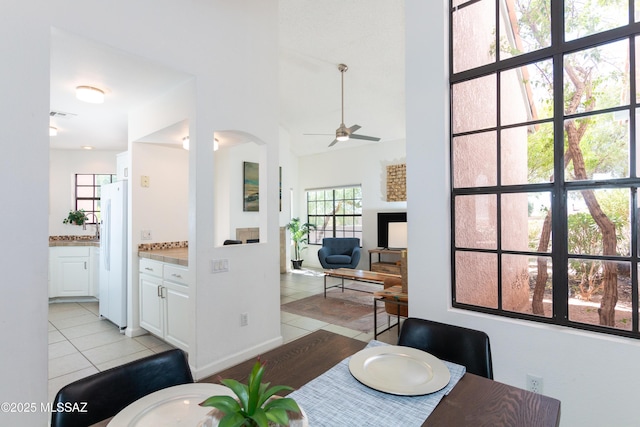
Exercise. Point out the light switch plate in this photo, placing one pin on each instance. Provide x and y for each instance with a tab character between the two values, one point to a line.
219	265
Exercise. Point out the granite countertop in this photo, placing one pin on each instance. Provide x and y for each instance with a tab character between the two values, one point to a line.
179	256
73	241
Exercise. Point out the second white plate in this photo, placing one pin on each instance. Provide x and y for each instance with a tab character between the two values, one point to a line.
173	406
399	370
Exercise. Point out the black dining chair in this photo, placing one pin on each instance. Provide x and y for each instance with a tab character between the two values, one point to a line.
108	392
455	344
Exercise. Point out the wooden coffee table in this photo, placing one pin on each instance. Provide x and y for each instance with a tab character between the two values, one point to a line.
356	276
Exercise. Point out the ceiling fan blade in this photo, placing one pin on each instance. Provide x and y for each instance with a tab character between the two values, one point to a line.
333	143
368	138
317	134
354	128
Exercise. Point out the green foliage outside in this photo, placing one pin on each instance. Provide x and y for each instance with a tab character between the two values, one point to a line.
595	146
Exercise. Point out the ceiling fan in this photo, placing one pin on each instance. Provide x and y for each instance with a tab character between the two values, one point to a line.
343	133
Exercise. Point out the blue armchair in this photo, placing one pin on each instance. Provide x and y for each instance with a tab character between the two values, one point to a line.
339	252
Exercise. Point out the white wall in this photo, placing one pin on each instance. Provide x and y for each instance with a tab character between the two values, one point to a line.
289	164
24	220
163	207
63	165
201	40
229	184
595	376
366	166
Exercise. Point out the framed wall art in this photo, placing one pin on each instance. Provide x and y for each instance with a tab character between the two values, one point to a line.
251	187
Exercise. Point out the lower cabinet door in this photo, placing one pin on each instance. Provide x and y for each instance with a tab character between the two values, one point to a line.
151	305
73	276
177	316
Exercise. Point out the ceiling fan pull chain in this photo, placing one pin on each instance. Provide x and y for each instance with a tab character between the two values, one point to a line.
343	69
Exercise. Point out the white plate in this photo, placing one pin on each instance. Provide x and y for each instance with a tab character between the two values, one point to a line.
399	370
173	406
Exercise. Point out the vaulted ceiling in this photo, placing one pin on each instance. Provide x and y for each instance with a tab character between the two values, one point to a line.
315	36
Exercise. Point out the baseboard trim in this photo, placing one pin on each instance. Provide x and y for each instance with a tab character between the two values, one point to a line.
232	360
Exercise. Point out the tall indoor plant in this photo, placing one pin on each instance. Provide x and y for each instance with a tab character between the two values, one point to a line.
299	237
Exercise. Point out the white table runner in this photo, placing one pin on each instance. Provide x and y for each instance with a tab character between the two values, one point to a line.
337	399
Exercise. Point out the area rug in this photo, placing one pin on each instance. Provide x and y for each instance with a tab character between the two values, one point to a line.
351	309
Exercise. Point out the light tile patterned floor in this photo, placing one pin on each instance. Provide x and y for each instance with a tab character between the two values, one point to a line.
81	344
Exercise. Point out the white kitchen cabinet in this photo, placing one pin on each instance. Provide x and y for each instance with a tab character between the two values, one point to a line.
164	301
72	271
151	305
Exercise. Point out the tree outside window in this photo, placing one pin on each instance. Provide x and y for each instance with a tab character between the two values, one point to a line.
544	164
336	212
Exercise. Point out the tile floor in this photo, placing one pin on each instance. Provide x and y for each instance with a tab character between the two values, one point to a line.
81	344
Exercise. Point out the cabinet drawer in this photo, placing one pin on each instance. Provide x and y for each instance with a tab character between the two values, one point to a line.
73	251
151	267
176	273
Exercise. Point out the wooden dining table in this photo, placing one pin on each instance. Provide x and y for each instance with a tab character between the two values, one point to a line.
474	401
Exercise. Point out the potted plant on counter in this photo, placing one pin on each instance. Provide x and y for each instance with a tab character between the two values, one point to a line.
255	405
76	217
299	237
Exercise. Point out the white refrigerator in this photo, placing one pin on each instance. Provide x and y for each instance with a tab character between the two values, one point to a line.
113	253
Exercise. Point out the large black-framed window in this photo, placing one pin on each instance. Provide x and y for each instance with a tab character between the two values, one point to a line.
544	161
87	192
336	212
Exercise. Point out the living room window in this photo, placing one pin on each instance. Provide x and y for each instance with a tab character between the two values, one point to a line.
545	161
336	212
88	194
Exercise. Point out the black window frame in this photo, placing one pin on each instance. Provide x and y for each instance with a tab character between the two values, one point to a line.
315	236
559	188
93	215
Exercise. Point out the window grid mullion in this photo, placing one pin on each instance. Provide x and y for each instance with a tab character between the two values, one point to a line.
498	194
633	171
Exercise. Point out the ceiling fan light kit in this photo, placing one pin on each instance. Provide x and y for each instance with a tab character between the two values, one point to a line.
90	94
344	133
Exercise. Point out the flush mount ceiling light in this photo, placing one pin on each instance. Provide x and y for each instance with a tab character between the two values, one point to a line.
185	143
87	147
90	94
53	131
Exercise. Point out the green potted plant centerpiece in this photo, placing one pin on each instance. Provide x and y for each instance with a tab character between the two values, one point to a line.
299	237
255	405
76	217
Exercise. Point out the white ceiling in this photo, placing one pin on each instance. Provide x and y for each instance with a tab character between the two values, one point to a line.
315	36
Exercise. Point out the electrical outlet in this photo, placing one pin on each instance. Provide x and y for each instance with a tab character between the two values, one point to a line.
244	319
145	235
534	383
